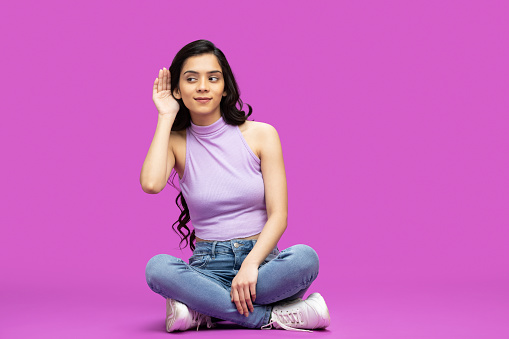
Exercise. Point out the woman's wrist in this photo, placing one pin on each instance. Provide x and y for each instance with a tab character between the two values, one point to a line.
250	263
166	117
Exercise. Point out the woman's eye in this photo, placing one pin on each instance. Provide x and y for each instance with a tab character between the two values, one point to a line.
214	78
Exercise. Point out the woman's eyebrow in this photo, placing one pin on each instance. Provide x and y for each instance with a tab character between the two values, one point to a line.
190	71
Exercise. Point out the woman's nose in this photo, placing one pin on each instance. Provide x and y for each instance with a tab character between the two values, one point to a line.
203	85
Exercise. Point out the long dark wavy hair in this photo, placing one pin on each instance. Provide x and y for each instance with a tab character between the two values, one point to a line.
230	113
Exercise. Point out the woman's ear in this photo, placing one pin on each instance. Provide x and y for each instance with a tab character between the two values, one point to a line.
224	94
176	94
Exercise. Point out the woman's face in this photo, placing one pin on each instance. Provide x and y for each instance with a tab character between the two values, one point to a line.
201	77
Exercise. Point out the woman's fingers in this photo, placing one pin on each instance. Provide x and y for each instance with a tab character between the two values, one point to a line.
252	289
160	83
163	81
248	298
165	78
243	302
237	301
154	90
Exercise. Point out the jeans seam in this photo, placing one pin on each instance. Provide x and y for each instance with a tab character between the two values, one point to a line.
266	317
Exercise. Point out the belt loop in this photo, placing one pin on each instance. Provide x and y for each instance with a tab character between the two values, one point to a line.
214	249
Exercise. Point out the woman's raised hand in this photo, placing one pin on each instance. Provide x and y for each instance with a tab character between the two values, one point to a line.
161	94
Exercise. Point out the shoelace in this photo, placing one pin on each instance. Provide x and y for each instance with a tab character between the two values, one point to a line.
198	318
283	318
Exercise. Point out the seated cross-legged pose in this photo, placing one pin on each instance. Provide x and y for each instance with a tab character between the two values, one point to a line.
233	189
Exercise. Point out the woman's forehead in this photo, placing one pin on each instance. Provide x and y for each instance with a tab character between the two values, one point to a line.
201	63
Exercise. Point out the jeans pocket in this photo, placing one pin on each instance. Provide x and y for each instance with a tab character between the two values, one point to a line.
199	260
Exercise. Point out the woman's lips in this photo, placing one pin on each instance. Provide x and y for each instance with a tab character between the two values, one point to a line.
203	101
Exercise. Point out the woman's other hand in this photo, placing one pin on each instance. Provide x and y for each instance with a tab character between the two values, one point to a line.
243	291
161	94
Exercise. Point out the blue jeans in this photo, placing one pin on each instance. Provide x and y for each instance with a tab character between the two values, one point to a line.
204	283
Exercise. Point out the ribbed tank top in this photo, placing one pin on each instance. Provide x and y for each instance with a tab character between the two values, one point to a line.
222	183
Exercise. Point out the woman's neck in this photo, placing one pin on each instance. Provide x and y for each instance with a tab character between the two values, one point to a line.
205	119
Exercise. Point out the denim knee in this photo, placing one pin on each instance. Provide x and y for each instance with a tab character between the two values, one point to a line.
156	266
307	258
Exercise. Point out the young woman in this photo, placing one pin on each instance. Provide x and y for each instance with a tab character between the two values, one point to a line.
233	188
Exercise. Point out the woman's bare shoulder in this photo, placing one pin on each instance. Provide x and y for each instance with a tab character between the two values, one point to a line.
258	128
261	137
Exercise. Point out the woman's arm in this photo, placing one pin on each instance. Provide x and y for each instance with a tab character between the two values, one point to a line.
160	159
243	291
276	195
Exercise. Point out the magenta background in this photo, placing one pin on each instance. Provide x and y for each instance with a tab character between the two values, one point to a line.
393	117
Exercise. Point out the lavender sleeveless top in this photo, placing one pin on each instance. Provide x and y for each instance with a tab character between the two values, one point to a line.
222	183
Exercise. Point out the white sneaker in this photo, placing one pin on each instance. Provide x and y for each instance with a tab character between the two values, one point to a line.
300	315
180	318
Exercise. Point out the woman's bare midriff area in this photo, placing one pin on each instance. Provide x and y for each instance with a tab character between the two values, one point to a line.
253	237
